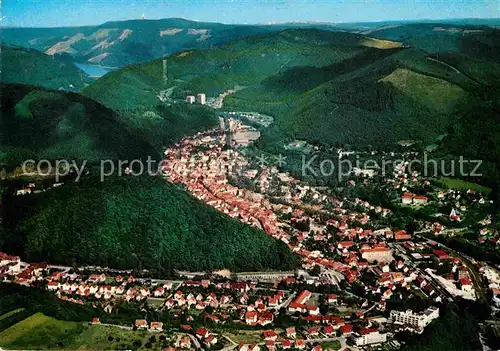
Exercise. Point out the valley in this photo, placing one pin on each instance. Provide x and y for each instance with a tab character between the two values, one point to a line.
314	186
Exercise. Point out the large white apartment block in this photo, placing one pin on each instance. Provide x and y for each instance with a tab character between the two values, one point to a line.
368	337
419	320
201	98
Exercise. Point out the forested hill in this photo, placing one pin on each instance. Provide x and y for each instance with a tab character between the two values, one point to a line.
244	62
136	223
121	43
475	40
336	87
32	67
36	123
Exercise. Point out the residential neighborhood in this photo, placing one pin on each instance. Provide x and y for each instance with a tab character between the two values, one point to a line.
355	266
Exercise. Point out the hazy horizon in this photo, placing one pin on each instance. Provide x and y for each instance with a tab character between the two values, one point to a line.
36	13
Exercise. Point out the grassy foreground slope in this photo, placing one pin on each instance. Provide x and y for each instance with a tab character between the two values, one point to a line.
40	330
136	223
32	67
36	123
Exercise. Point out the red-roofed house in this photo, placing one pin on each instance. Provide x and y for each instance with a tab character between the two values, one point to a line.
156	326
300	344
303	297
270	344
270	335
286	344
466	285
402	235
441	255
141	324
313	331
202	333
345	244
332	298
251	317
346	329
290	332
329	329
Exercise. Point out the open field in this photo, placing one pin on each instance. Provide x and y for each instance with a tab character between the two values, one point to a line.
330	345
100	337
245	336
453	183
46	333
40	332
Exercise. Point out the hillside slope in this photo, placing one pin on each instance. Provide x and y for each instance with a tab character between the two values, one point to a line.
36	123
329	87
371	98
25	66
472	40
322	86
135	223
238	63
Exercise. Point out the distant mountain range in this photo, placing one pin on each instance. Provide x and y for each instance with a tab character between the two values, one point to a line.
121	43
117	44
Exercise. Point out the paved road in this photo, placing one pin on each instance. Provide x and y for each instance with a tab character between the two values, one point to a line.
194	341
286	302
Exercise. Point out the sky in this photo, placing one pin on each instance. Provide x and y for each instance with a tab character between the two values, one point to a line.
53	13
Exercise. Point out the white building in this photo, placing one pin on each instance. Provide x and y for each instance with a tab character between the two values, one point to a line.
190	99
201	98
419	320
367	337
365	172
383	254
496	297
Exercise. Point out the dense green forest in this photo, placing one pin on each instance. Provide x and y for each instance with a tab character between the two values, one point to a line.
32	67
455	330
323	86
212	71
136	223
163	125
472	39
37	124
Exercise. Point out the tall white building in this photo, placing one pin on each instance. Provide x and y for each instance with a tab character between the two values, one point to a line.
190	99
201	98
367	337
419	320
